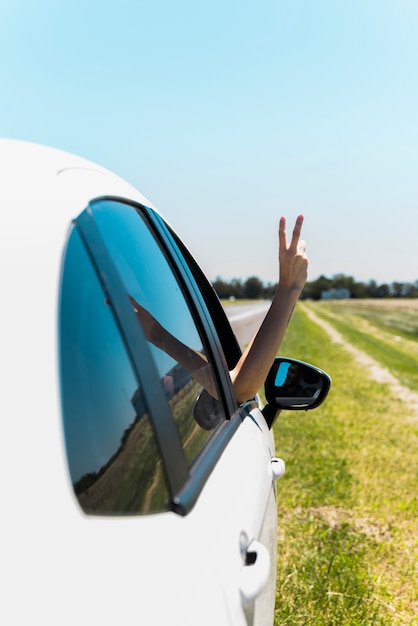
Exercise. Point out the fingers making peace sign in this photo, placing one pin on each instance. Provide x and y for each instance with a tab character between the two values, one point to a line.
292	257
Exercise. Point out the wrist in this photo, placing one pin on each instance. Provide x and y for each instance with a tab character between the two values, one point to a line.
288	291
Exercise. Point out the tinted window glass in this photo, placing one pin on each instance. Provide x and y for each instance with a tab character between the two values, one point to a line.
113	459
179	351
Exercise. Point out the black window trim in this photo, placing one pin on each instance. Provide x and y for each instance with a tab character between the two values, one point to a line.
189	277
213	307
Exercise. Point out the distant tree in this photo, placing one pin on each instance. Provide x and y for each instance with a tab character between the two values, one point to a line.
343	281
414	290
314	289
383	291
253	288
269	291
237	289
397	289
372	289
408	290
359	290
222	288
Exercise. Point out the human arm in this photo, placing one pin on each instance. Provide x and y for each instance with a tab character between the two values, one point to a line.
252	368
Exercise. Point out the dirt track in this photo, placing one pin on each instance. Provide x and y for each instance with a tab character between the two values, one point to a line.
376	371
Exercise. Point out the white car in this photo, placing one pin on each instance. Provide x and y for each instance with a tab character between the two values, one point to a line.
135	490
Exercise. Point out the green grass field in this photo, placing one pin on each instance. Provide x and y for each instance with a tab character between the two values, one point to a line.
348	503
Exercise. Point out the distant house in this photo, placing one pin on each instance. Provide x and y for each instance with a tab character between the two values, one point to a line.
337	293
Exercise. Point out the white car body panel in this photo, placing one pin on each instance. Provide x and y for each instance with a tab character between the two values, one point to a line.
59	565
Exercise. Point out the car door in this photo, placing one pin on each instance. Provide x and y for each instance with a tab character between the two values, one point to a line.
154	436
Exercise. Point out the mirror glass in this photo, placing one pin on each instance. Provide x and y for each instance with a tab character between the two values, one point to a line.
297	385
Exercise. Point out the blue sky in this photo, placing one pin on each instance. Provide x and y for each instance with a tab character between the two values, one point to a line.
227	114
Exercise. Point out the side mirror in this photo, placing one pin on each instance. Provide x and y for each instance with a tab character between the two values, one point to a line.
294	385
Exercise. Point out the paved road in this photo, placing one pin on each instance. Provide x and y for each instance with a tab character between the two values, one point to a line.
245	319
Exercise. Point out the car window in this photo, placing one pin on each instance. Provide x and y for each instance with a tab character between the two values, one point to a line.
114	463
172	329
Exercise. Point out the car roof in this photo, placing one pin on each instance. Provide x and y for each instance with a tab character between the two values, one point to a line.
36	172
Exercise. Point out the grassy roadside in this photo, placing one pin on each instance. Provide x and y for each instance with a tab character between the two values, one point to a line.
387	334
347	505
397	316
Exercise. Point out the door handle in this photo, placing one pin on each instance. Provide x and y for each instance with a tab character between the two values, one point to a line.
278	467
255	572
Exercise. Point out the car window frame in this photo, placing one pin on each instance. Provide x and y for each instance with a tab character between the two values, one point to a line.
185	482
212	309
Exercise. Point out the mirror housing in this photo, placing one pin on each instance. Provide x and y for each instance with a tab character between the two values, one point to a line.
294	385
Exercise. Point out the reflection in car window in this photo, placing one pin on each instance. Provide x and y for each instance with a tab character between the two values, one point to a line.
113	460
179	351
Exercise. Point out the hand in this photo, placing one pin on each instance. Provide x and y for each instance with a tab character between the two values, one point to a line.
292	258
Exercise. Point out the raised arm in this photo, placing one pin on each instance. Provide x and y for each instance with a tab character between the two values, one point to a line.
251	370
